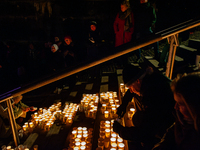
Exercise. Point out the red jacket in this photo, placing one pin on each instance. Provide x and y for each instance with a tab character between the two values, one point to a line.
121	36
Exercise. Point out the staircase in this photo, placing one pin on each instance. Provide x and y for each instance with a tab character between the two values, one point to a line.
184	59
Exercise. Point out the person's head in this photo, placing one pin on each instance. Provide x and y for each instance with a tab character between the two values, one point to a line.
125	5
93	25
56	39
68	40
187	98
143	1
17	99
132	76
54	48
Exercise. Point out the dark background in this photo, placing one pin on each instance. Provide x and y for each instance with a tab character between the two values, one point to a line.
31	20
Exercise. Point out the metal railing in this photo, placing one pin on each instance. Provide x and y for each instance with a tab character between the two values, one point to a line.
121	50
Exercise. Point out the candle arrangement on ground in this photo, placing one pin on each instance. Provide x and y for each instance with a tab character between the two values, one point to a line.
20	147
110	103
81	138
45	118
89	105
108	139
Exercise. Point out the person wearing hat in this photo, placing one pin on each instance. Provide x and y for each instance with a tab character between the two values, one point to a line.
154	116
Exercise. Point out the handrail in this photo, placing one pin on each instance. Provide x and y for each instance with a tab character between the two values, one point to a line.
121	50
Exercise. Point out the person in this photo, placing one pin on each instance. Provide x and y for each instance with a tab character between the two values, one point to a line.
68	50
55	59
94	41
145	27
184	133
56	62
123	24
154	115
20	109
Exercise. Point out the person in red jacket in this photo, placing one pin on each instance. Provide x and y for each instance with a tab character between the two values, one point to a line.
124	24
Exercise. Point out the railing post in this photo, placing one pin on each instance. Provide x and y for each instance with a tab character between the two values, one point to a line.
173	41
13	122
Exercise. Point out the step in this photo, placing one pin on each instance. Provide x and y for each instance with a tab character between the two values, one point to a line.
187	53
194	43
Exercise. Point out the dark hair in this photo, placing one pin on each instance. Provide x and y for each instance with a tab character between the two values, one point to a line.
125	2
189	86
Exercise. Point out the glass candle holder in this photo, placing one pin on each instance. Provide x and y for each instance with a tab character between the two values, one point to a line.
106	114
121	146
107	133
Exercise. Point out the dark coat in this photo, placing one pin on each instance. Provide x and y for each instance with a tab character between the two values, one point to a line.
151	123
180	136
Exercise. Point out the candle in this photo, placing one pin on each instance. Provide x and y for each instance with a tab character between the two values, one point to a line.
31	124
102	135
113	140
76	148
114	145
107	133
74	132
106	114
77	144
83	147
119	140
83	143
106	142
121	146
24	127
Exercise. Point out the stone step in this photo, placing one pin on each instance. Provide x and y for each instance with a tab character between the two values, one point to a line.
187	53
194	43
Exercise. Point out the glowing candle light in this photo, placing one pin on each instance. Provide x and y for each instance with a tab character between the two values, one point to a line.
114	145
31	124
119	140
121	146
82	147
77	144
83	143
106	114
107	132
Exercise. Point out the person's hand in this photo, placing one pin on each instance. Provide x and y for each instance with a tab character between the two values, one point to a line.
26	109
121	110
33	108
117	127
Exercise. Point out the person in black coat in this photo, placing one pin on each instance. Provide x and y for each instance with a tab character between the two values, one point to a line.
155	116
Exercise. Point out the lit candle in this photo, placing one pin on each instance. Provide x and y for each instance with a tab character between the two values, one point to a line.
121	146
82	147
31	124
113	140
114	145
69	120
24	127
74	132
83	143
107	133
106	114
119	140
77	144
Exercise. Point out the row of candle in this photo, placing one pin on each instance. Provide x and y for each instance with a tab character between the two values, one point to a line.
109	139
81	139
45	118
20	147
89	105
109	107
105	96
69	113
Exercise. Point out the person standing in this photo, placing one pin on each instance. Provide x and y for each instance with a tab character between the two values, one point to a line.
123	24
